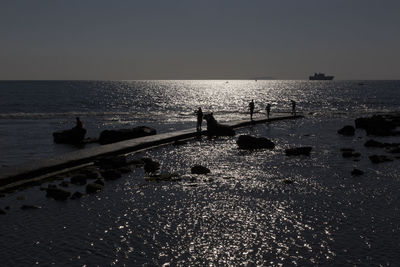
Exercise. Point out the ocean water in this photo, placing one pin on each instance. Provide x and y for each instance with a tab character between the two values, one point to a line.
243	213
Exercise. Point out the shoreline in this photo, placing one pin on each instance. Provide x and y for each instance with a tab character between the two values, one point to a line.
24	175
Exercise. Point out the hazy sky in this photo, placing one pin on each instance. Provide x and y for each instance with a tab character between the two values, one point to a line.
185	39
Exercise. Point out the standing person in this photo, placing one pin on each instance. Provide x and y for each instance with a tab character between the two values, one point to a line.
199	114
251	107
268	109
293	107
79	124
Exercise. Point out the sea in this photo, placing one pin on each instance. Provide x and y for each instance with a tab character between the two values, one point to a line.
255	208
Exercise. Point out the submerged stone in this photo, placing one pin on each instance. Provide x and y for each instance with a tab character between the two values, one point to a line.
251	142
297	151
347	130
198	169
93	188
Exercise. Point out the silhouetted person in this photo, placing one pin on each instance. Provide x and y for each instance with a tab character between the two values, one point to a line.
79	124
268	109
251	107
199	114
293	107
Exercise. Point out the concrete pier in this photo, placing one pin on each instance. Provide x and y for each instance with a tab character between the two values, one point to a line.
17	175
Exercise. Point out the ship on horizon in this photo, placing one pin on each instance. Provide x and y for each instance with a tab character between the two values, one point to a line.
321	77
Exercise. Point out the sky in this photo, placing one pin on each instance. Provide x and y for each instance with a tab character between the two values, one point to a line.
204	39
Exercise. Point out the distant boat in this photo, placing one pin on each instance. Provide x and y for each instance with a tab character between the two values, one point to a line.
320	77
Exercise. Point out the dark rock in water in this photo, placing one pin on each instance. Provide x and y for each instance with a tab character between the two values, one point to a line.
179	143
395	150
373	143
30	207
198	169
112	136
251	142
349	154
76	195
150	165
111	174
93	188
136	162
305	150
72	136
2	212
378	125
347	149
347	130
99	181
7	207
125	169
90	173
113	162
379	158
356	172
78	179
64	184
171	177
216	129
57	193
2	195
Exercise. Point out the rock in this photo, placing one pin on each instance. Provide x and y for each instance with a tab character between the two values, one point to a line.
347	149
395	150
90	173
179	143
79	179
57	193
198	169
112	136
305	150
216	129
379	158
373	143
76	195
64	184
356	172
93	188
347	130
2	212
251	142
378	125
99	181
349	154
2	195
72	136
7	207
30	207
111	174
150	165
136	162
288	181
21	197
125	169
114	162
171	177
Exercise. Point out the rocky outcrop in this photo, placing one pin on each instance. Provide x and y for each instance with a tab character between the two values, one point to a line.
351	154
198	169
356	172
57	193
251	142
347	130
72	136
379	158
216	129
112	136
111	174
76	195
93	188
379	125
297	151
150	166
79	179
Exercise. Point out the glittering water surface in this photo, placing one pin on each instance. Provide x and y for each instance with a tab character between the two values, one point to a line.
244	213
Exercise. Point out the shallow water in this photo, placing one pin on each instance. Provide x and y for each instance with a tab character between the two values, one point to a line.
243	213
30	111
